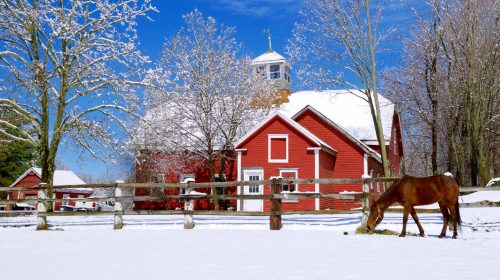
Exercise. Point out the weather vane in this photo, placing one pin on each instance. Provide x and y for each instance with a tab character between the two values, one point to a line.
268	33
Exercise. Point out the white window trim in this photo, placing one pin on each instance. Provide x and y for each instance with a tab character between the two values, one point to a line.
271	73
276	136
296	170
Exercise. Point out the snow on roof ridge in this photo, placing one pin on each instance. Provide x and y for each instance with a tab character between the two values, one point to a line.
345	107
268	57
61	177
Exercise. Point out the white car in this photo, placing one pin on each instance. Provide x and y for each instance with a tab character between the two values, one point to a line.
105	206
494	182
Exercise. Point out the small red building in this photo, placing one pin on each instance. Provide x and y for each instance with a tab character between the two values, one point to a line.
32	178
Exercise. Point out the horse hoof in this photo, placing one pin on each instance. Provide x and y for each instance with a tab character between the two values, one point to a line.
421	235
454	237
441	236
402	235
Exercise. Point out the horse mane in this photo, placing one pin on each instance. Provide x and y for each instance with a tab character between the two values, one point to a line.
389	191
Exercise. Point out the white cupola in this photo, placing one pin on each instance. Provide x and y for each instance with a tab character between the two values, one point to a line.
274	67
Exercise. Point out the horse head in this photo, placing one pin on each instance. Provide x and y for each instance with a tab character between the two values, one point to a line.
376	216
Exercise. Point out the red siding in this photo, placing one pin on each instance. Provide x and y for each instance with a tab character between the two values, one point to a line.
298	157
349	160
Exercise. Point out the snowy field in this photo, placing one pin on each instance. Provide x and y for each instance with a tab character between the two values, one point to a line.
308	247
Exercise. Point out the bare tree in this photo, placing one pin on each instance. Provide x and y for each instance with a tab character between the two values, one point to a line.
333	32
449	88
418	90
203	99
472	53
67	68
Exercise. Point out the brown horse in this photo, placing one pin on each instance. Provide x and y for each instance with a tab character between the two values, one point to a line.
412	191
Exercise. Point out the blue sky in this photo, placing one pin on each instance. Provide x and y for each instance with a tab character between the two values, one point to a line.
249	17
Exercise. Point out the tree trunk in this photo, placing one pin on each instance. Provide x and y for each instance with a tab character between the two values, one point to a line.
377	117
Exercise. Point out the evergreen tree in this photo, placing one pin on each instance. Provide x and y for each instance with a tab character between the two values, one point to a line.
15	158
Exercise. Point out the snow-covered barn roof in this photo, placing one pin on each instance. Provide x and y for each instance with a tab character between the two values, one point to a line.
61	178
346	108
268	57
356	141
293	124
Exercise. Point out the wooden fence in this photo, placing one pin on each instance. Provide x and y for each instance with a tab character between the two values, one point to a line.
370	187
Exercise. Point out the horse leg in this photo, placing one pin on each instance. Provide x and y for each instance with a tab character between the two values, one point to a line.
444	211
405	220
454	219
415	218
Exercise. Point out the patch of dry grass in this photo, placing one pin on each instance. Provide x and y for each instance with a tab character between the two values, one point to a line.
364	230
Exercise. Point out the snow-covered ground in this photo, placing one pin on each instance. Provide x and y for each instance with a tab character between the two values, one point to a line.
308	247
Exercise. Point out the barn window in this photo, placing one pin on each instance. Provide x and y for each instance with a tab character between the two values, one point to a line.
65	196
278	148
157	178
290	173
274	72
220	190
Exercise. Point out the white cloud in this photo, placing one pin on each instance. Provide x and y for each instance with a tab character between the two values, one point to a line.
259	8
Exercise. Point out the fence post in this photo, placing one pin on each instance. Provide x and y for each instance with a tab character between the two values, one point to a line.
365	203
188	206
41	207
118	208
274	218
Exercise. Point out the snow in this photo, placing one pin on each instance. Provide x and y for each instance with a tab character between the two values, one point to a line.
65	177
268	57
480	196
308	247
469	198
61	178
346	108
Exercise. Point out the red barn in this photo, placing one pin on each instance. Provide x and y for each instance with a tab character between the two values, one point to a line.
157	166
32	178
317	134
281	147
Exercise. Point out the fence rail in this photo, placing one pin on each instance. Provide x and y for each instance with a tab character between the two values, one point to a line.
370	187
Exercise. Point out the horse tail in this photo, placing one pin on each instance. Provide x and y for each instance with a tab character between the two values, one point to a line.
459	219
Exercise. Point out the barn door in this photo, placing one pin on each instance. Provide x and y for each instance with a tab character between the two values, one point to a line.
253	204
